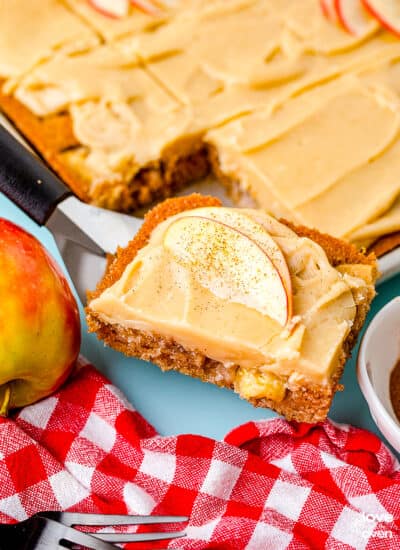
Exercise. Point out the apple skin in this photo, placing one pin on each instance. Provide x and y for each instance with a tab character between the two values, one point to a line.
353	17
110	9
98	6
328	9
391	26
39	320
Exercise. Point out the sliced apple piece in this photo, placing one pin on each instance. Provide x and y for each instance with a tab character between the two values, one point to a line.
328	9
355	18
147	6
229	264
111	8
243	222
387	12
257	385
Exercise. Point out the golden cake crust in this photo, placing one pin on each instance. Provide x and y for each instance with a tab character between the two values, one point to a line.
306	403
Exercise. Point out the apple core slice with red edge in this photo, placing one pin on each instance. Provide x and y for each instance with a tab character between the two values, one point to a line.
229	264
387	13
111	8
354	17
328	9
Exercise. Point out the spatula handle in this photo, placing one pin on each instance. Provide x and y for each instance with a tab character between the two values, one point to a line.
27	181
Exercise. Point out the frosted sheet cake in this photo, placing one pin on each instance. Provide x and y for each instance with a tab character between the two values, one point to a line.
290	111
239	299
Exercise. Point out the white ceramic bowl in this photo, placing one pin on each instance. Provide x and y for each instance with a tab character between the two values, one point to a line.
378	354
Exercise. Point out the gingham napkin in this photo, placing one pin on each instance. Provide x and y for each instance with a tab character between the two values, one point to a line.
268	485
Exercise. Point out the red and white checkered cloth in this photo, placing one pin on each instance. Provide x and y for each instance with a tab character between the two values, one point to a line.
268	485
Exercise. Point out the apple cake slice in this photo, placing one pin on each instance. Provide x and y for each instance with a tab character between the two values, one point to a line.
240	299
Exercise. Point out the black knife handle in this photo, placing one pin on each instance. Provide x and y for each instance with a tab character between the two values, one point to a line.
27	181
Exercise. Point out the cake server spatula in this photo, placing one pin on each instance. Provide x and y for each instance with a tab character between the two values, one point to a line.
83	233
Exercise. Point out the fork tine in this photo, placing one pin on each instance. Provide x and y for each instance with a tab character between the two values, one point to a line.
138	537
53	533
75	518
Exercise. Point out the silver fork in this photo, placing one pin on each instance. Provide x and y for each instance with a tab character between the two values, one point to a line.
55	530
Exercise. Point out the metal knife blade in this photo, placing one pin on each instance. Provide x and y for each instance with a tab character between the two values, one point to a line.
84	234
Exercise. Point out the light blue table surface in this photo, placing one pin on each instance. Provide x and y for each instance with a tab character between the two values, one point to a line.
174	403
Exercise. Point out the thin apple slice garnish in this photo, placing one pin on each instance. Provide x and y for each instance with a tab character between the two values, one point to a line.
386	12
229	264
253	229
111	8
328	9
354	17
147	6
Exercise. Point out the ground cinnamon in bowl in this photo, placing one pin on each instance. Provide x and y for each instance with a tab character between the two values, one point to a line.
395	389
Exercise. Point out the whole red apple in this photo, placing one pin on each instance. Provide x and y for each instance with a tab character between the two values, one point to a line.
39	320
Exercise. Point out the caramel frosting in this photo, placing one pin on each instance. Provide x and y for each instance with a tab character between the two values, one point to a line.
31	32
136	20
319	136
303	115
100	74
215	301
111	28
120	115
